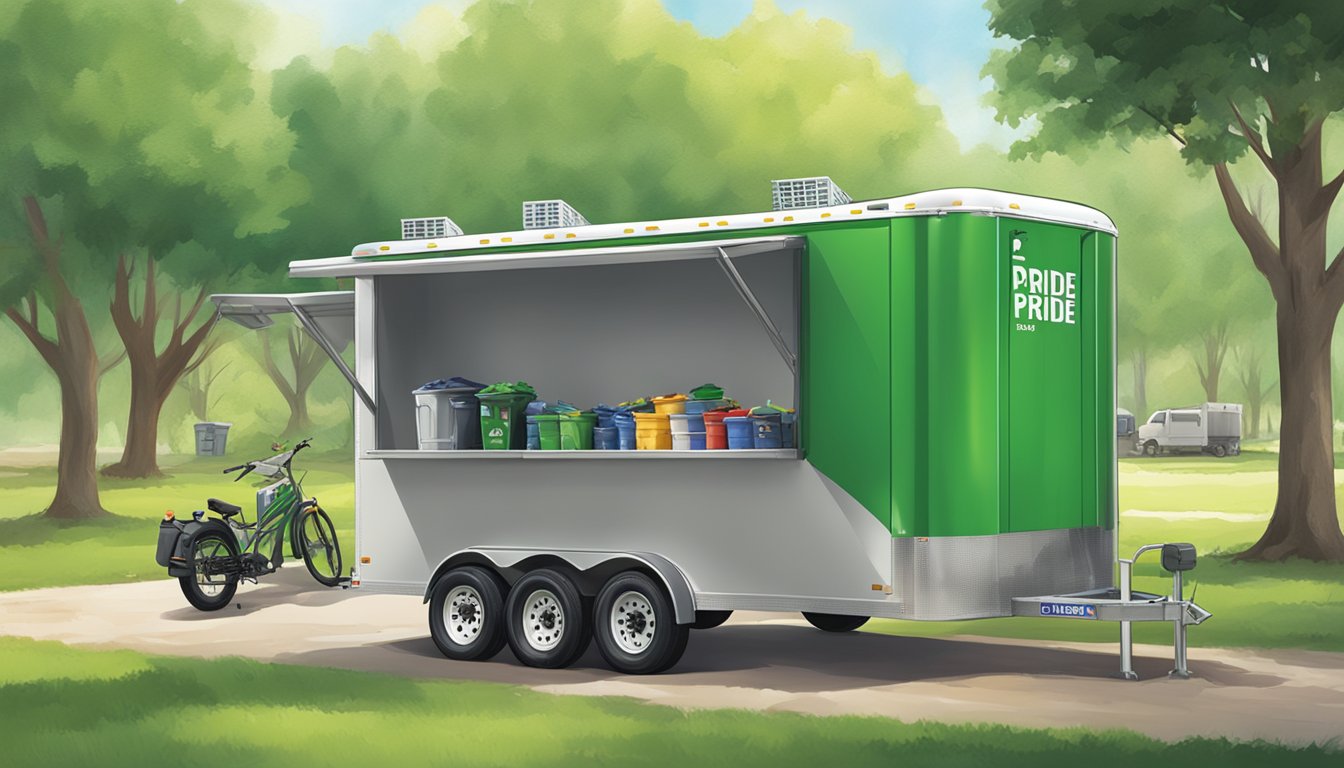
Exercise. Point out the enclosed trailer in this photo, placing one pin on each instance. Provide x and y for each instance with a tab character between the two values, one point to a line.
952	358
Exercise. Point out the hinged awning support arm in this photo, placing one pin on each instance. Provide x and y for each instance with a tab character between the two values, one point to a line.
743	290
310	325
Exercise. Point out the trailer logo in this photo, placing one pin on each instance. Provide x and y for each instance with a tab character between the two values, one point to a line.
1041	295
1069	610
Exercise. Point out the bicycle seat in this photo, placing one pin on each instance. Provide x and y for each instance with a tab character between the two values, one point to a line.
223	507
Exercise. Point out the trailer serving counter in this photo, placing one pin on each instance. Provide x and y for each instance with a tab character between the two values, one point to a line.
951	354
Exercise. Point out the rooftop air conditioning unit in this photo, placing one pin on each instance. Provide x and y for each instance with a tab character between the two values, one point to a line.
551	214
810	192
426	228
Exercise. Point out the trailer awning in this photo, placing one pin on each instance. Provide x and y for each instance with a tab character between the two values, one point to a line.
347	266
327	316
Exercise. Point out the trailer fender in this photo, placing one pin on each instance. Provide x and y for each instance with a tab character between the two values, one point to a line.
583	561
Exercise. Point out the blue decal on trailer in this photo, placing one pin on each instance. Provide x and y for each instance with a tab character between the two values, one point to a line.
1069	610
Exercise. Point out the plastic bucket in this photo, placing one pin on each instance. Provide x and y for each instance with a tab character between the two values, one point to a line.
652	432
684	423
741	432
668	404
576	431
533	434
548	430
700	406
716	434
606	438
786	429
688	441
501	413
766	430
604	414
625	431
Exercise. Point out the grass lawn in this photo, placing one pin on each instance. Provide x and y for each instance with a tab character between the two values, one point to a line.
1220	505
66	706
37	552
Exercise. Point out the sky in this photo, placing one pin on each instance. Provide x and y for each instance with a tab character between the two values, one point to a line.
942	44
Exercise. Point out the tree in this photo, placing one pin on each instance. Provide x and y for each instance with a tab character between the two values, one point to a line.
1251	375
197	383
1221	80
304	363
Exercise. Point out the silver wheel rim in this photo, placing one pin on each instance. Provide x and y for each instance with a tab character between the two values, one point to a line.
633	623
210	585
464	615
543	620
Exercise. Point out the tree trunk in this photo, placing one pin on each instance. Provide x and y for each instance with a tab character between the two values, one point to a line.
1308	296
1211	367
306	359
1304	523
1139	360
73	357
153	373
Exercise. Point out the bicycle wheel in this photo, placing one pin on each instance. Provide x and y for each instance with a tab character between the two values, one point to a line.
209	592
321	551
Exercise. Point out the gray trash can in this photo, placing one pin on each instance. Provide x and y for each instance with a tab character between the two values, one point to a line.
447	419
211	437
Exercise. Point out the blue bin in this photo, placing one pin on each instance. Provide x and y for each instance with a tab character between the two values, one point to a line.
697	441
767	430
700	406
786	429
607	438
604	413
625	430
533	434
741	432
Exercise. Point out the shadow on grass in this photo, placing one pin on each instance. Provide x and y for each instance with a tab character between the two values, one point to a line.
33	530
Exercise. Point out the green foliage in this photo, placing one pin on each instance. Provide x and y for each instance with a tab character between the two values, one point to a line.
118	708
1187	67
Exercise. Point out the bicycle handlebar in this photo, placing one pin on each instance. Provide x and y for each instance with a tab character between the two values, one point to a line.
234	469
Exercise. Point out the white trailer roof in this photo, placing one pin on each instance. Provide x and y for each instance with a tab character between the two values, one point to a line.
376	257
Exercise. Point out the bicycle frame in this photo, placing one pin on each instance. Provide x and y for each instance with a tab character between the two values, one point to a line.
283	510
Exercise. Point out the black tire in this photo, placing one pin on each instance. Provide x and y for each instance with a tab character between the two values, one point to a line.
209	593
295	547
477	605
1150	448
651	645
710	619
545	620
835	622
321	550
1219	450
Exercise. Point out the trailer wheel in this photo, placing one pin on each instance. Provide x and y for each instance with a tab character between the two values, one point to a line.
636	626
1219	450
466	613
547	626
834	622
1150	448
710	619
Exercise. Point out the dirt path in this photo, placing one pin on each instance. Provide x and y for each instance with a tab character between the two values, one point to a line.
756	661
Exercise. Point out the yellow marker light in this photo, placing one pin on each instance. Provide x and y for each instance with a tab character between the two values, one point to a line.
788	218
769	219
485	241
384	247
431	245
365	559
651	228
825	215
549	237
956	202
856	211
506	239
877	587
1015	206
909	206
629	231
704	223
722	223
570	234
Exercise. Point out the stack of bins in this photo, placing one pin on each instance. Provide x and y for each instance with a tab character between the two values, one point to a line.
716	429
448	415
653	432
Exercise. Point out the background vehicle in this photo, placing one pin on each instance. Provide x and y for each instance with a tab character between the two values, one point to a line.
950	354
211	555
1209	428
1126	433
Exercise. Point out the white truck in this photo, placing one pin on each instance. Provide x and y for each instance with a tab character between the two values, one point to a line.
1208	428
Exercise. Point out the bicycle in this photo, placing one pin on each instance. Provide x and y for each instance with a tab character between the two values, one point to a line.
211	556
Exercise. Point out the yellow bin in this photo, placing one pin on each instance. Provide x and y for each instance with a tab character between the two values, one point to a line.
666	404
653	432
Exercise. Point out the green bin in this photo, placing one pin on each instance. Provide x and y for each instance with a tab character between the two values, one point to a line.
565	431
503	427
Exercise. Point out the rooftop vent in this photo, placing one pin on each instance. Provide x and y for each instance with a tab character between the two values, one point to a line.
426	228
810	192
551	214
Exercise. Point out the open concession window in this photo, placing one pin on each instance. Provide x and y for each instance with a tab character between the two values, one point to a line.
591	326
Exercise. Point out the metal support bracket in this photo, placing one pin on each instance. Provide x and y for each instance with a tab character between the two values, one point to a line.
743	290
310	325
